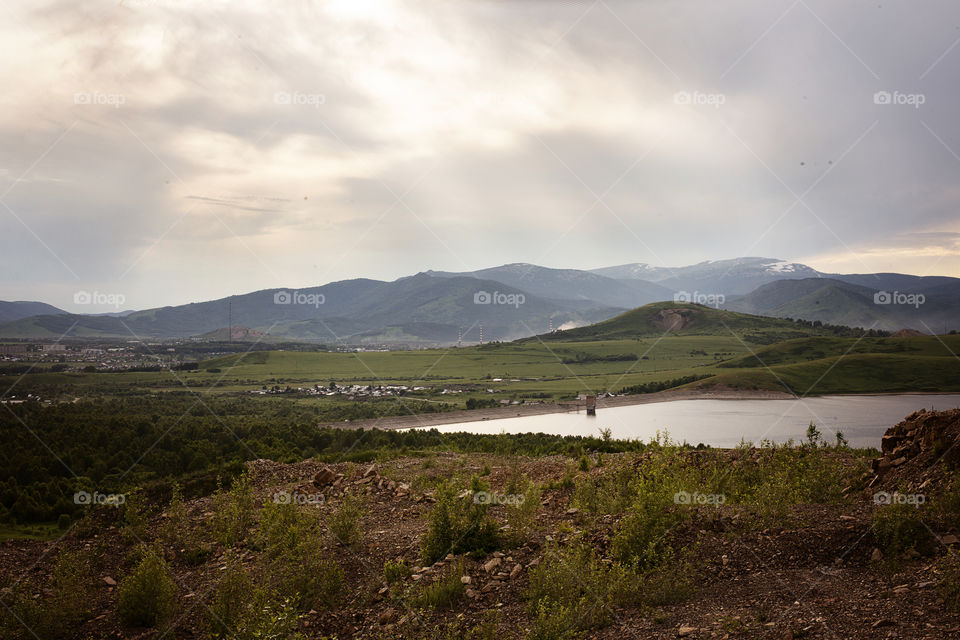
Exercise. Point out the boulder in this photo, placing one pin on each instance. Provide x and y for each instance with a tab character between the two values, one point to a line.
324	477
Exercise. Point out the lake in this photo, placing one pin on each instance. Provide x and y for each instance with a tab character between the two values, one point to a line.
723	423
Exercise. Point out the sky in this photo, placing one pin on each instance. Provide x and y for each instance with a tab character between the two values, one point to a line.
171	151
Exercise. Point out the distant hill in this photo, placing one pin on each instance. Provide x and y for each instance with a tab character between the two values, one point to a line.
416	309
432	307
733	277
836	301
571	284
671	318
10	311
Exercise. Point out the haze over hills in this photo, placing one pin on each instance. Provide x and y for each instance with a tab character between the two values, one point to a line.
514	301
571	284
10	311
918	304
736	276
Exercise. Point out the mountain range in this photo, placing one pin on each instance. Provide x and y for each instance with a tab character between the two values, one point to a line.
514	301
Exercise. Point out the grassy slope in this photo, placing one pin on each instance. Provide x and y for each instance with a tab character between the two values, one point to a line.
704	321
855	373
715	342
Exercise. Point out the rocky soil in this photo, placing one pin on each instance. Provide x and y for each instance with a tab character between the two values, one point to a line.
816	577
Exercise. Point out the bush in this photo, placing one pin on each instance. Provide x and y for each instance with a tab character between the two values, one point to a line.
396	571
232	511
147	597
270	619
642	539
521	515
134	517
674	580
459	525
344	523
948	581
553	621
443	593
72	582
573	584
898	528
57	616
231	599
295	563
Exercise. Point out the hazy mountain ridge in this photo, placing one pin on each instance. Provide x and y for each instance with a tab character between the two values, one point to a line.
434	306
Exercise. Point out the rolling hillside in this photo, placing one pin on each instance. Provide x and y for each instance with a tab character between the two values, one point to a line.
10	311
572	284
672	318
836	301
419	308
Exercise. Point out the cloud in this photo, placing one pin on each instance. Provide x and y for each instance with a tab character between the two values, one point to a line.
178	150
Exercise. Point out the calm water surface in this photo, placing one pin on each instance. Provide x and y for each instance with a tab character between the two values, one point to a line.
723	423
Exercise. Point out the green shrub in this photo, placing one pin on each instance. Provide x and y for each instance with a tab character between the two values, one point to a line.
231	599
443	593
898	528
673	580
270	619
948	581
72	582
233	511
396	571
642	538
553	621
521	514
344	523
134	517
174	528
295	561
21	616
573	582
459	524
147	597
57	615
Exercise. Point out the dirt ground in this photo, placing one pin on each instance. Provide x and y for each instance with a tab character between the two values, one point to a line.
812	580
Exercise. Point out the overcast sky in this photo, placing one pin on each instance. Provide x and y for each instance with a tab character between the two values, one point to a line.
176	151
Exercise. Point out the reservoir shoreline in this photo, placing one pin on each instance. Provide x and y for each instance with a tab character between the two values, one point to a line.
428	420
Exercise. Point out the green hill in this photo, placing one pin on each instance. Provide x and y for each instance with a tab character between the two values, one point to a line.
672	318
816	348
854	373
